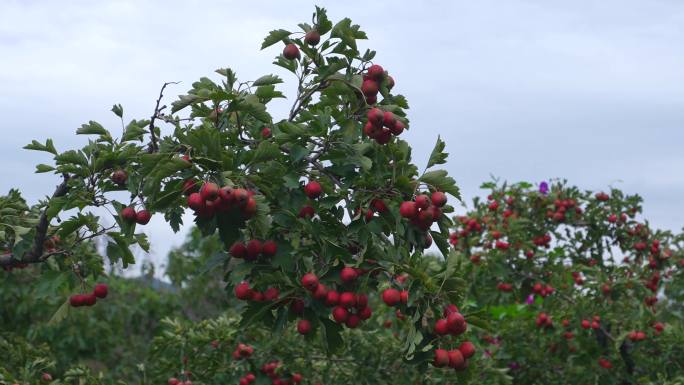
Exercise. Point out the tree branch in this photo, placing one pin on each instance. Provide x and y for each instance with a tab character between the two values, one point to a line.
35	255
157	111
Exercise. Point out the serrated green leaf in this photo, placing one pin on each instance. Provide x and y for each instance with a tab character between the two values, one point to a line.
440	180
37	146
267	80
43	168
274	37
438	156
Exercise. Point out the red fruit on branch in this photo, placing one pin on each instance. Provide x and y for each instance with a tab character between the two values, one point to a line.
313	189
254	248
310	281
391	297
128	214
441	358
312	37
441	327
307	212
375	72
291	52
397	128
422	201
456	359
269	249
304	326
348	299
375	117
209	191
467	349
243	291
196	202
439	199
369	88
332	298
408	209
101	290
238	250
119	177
348	275
143	217
340	314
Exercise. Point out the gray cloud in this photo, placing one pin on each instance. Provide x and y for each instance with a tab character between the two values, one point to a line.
523	90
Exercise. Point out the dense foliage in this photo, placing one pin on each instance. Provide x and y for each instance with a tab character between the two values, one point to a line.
310	260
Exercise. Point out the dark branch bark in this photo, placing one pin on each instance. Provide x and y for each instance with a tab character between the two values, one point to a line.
154	146
35	255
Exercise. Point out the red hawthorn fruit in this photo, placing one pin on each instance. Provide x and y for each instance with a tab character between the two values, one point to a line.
291	52
266	132
143	217
303	326
313	189
585	324
384	136
46	377
297	306
659	327
375	116
209	191
375	72
426	216
76	300
189	186
312	37
310	281
369	88
467	349
89	299
494	206
243	381
370	100
332	298
306	212
173	381
387	324
240	197
501	245
321	292
340	314
595	325
604	363
348	299
269	249
391	297
456	323
254	248
441	358
238	250
271	294
422	201
441	327
352	321
456	359
243	291
119	177
448	309
408	209
250	208
388	119
297	378
439	198
196	202
365	313
390	82
379	205
361	301
128	214
404	295
257	296
397	128
101	290
250	377
348	274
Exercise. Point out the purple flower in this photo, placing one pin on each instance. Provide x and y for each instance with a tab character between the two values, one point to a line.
544	187
514	365
530	299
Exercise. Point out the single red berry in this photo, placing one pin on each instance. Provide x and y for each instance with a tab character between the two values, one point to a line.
348	274
143	217
375	117
209	191
128	214
269	249
456	359
441	327
196	202
119	177
348	299
391	297
352	321
313	189
310	281
307	212
439	198
369	88
332	298
408	209
253	249
291	52
303	326
340	314
375	72
265	132
271	294
243	291
101	290
467	349
441	358
312	37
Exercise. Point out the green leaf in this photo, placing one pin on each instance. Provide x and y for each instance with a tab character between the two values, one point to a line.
331	333
440	180
118	110
267	80
60	314
274	37
37	146
323	24
44	168
343	30
266	151
438	156
133	132
92	128
186	100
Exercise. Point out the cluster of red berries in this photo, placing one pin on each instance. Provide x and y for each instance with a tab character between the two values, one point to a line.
544	320
604	363
78	300
376	206
652	283
505	287
271	370
211	199
119	177
245	293
381	125
373	79
601	196
470	225
577	277
636	335
543	290
254	248
247	379
561	208
595	323
423	211
542	240
141	217
242	351
456	358
393	297
453	322
313	190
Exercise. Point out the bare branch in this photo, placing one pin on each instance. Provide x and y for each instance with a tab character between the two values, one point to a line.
157	111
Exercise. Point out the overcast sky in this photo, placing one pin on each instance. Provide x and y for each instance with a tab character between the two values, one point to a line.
591	91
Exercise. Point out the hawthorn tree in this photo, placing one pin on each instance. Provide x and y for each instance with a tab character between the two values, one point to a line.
320	226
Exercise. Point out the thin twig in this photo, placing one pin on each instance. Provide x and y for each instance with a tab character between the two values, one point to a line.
157	111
